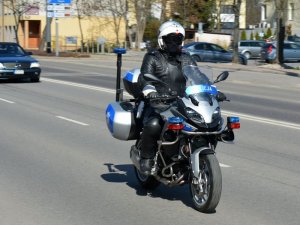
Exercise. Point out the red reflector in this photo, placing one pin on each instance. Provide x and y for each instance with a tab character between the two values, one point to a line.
234	125
270	49
178	126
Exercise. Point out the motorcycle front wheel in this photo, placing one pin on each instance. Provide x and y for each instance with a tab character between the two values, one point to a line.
206	191
147	182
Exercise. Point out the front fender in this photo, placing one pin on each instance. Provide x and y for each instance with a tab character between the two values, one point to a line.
195	159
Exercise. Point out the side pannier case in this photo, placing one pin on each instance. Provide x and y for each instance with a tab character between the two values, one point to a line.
130	81
121	122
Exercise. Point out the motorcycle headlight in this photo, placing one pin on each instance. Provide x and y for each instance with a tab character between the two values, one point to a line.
194	116
216	114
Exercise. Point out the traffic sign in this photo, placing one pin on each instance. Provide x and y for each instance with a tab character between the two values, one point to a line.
101	40
59	1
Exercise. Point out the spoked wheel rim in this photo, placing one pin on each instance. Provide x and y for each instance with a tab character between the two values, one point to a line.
201	188
247	55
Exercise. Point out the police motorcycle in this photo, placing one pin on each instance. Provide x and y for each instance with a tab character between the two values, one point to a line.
193	126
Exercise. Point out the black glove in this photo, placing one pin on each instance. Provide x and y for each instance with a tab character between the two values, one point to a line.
153	95
221	97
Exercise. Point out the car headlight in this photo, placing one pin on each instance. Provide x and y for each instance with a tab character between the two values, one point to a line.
194	116
34	64
1	66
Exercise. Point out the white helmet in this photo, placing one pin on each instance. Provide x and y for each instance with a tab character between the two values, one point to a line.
168	28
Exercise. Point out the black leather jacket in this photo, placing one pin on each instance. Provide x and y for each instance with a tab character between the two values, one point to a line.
166	67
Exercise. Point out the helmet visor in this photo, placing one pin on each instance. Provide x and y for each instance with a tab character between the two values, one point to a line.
173	38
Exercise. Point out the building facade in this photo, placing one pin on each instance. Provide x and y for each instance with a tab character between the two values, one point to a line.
290	10
32	24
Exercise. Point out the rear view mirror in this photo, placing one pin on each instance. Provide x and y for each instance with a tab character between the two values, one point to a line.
221	77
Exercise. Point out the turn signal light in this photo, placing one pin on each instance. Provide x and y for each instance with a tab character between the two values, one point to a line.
175	123
234	125
178	126
233	122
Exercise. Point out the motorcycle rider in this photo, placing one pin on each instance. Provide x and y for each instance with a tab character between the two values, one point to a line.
165	63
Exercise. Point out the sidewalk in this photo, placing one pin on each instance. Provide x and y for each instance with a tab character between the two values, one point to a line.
266	68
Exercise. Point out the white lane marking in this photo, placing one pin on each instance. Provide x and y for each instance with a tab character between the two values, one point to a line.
5	100
73	121
264	120
224	165
91	87
242	116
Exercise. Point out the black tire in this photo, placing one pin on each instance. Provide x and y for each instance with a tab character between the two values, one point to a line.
35	79
196	58
243	60
147	182
207	200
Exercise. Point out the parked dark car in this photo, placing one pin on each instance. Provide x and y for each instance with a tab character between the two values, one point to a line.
16	63
209	52
294	38
291	52
250	48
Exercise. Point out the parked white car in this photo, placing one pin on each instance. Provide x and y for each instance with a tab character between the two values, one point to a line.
251	48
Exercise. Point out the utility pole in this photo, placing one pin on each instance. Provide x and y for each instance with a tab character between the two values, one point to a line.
3	30
48	30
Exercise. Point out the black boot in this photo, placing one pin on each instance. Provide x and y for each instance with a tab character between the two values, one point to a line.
146	166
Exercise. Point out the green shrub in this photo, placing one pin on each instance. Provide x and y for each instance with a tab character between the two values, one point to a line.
257	37
269	33
243	35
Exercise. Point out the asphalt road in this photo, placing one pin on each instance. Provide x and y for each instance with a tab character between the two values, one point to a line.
59	164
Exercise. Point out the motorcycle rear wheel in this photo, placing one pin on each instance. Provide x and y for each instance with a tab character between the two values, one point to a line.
206	193
147	182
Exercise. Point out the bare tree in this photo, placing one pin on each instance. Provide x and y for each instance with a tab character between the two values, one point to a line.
218	14
163	11
18	8
83	8
191	12
142	11
118	10
236	32
281	8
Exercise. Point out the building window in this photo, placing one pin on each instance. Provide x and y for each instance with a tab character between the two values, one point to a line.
226	9
291	11
263	12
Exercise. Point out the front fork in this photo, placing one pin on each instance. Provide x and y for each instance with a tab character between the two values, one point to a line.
195	162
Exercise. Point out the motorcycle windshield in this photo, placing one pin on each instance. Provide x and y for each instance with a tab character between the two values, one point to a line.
197	83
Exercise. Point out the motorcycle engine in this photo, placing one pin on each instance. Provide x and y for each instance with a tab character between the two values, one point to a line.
170	150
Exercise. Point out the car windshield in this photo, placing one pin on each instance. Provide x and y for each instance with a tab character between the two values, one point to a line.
7	49
197	83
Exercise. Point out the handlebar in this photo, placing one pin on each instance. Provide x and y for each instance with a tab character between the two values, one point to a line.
160	98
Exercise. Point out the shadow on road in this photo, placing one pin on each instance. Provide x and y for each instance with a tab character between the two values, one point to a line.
125	174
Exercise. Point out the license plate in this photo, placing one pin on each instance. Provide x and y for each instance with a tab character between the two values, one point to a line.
19	72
